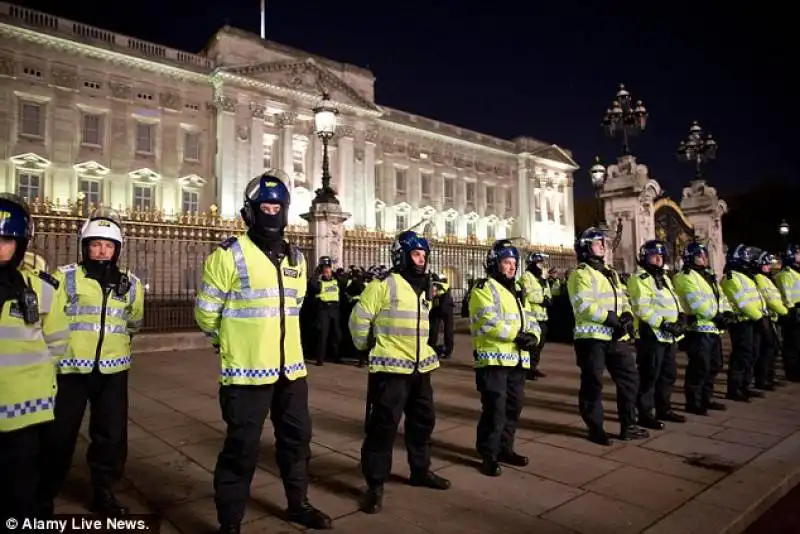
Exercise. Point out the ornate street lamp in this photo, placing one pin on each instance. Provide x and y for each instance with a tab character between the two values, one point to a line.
325	119
783	230
625	119
698	148
598	175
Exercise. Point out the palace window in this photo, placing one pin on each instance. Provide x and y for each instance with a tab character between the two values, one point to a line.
509	200
400	181
490	231
401	222
191	146
190	201
537	205
379	225
143	197
29	185
378	180
489	195
145	134
92	133
269	143
450	227
426	188
298	158
31	119
470	192
471	228
92	191
449	191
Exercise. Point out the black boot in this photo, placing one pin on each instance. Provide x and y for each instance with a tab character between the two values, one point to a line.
371	501
310	517
599	437
631	432
106	504
430	480
718	406
512	458
229	528
491	468
648	421
671	417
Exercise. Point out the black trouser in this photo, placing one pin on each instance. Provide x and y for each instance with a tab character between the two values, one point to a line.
107	396
536	356
740	368
389	396
346	347
592	357
20	468
791	349
657	373
764	346
437	319
703	350
244	410
502	392
326	329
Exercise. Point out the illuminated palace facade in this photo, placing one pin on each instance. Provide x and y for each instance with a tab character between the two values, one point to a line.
88	113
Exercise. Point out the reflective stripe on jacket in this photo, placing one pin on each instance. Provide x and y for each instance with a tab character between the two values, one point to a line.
743	295
771	295
592	296
652	305
496	316
788	282
252	310
28	354
328	291
699	300
536	291
100	323
399	321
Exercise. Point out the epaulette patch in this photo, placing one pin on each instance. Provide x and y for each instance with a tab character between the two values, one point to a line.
644	276
581	266
47	277
480	284
228	243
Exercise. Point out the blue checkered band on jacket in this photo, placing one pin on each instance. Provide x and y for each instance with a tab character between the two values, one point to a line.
10	411
263	373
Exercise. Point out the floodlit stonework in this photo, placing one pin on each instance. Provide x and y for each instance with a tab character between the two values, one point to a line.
124	122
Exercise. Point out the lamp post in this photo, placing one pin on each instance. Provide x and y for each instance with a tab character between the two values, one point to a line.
625	119
598	175
783	230
698	148
325	125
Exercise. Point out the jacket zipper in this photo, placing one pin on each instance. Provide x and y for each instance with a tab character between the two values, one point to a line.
101	337
419	320
522	323
282	312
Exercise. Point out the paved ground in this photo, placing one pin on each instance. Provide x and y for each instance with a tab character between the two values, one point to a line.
712	474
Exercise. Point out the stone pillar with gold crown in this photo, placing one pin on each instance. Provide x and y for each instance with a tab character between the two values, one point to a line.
704	209
326	225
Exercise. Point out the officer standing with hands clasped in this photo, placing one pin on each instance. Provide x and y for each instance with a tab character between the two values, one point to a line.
788	282
537	293
603	321
34	331
661	325
766	342
324	289
708	316
504	334
396	306
105	307
249	302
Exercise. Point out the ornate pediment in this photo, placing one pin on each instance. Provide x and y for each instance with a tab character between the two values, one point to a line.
192	180
307	77
91	169
144	175
30	161
556	154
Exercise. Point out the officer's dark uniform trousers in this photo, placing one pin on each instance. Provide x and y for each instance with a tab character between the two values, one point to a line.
790	331
389	396
502	392
244	410
20	461
327	330
536	357
740	370
705	360
658	371
107	396
592	357
442	315
765	343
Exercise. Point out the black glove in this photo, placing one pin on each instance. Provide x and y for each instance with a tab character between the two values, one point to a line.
626	318
526	341
765	324
671	328
612	321
720	321
547	302
629	329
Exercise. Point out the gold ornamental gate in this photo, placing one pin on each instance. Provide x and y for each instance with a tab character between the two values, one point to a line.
673	228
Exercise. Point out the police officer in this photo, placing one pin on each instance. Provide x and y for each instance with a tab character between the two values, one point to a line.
504	335
747	304
603	322
788	282
708	315
396	305
34	331
253	288
105	307
442	317
766	338
324	290
537	293
661	324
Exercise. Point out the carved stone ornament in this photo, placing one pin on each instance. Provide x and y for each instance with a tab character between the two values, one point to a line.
359	154
345	130
120	90
371	136
285	120
387	146
257	110
64	77
8	66
169	100
226	103
243	133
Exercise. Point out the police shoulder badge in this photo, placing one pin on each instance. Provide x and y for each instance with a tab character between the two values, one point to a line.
291	273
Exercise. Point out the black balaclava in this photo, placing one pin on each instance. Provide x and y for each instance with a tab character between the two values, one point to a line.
105	272
11	280
268	230
535	269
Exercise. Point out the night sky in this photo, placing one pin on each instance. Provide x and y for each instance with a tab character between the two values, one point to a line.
544	69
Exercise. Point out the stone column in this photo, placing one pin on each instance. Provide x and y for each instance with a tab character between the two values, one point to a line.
704	209
326	224
256	140
286	152
226	156
345	159
370	140
525	202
